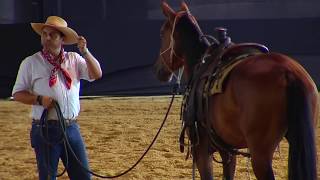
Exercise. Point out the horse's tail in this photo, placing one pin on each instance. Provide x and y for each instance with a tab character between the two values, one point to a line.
300	135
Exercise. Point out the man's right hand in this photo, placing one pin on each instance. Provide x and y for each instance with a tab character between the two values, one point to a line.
27	98
47	102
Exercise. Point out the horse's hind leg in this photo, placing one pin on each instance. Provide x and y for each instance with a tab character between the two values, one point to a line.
262	165
229	165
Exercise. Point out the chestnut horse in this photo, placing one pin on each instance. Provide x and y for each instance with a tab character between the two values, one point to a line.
266	97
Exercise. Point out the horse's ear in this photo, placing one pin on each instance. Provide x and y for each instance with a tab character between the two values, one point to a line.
184	6
167	10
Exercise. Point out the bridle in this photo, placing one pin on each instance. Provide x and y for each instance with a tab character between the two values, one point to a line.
171	65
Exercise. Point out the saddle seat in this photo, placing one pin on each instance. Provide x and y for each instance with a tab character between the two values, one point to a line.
230	58
237	50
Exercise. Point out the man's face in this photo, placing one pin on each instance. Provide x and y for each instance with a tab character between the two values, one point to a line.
51	38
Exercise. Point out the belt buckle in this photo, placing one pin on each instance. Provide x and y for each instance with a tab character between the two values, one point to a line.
69	121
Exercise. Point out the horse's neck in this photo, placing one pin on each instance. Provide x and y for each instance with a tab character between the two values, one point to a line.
193	57
192	43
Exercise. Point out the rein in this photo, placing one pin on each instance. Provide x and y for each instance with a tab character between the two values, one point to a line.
64	139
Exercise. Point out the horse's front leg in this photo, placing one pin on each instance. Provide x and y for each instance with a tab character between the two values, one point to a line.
229	165
203	157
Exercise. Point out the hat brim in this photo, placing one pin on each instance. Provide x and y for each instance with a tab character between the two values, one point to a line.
70	36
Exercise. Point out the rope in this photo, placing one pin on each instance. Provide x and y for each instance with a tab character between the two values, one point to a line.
44	124
65	139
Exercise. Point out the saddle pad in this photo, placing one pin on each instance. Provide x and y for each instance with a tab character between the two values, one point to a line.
218	83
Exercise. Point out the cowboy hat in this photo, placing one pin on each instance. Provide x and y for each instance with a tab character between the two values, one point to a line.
70	36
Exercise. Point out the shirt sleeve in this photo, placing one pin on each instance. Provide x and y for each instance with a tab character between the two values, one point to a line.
24	77
82	68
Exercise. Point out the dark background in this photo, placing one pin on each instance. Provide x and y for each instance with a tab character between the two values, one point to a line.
124	35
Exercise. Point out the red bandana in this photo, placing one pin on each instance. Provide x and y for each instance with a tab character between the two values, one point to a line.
56	62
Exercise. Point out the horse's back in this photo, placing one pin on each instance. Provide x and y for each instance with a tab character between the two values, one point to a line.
254	103
272	70
267	77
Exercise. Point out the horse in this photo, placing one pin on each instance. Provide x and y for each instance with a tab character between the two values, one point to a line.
266	97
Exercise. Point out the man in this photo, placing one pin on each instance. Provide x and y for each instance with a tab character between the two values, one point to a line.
53	75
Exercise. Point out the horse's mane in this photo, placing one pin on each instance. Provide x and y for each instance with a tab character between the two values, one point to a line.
189	36
187	28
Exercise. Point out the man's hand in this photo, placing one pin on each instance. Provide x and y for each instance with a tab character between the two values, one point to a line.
47	102
82	45
27	98
93	65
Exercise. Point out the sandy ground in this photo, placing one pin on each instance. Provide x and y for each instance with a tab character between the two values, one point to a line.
117	131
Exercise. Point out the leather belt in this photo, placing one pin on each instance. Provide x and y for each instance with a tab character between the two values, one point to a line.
55	122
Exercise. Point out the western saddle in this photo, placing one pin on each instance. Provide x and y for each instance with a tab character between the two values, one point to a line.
208	79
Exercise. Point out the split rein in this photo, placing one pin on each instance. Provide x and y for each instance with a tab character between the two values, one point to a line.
64	139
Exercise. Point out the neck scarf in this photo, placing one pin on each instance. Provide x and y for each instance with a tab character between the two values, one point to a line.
56	62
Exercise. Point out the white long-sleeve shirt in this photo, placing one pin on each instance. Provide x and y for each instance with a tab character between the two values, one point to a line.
33	76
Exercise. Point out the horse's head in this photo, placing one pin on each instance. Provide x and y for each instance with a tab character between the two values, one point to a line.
180	36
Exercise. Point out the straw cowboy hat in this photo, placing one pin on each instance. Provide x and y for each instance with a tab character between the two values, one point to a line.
70	36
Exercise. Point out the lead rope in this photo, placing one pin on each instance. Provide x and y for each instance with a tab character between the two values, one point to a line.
48	143
62	121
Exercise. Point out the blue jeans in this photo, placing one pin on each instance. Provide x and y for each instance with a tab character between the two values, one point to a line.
48	155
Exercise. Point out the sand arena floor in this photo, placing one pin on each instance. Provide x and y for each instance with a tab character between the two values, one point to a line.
117	131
